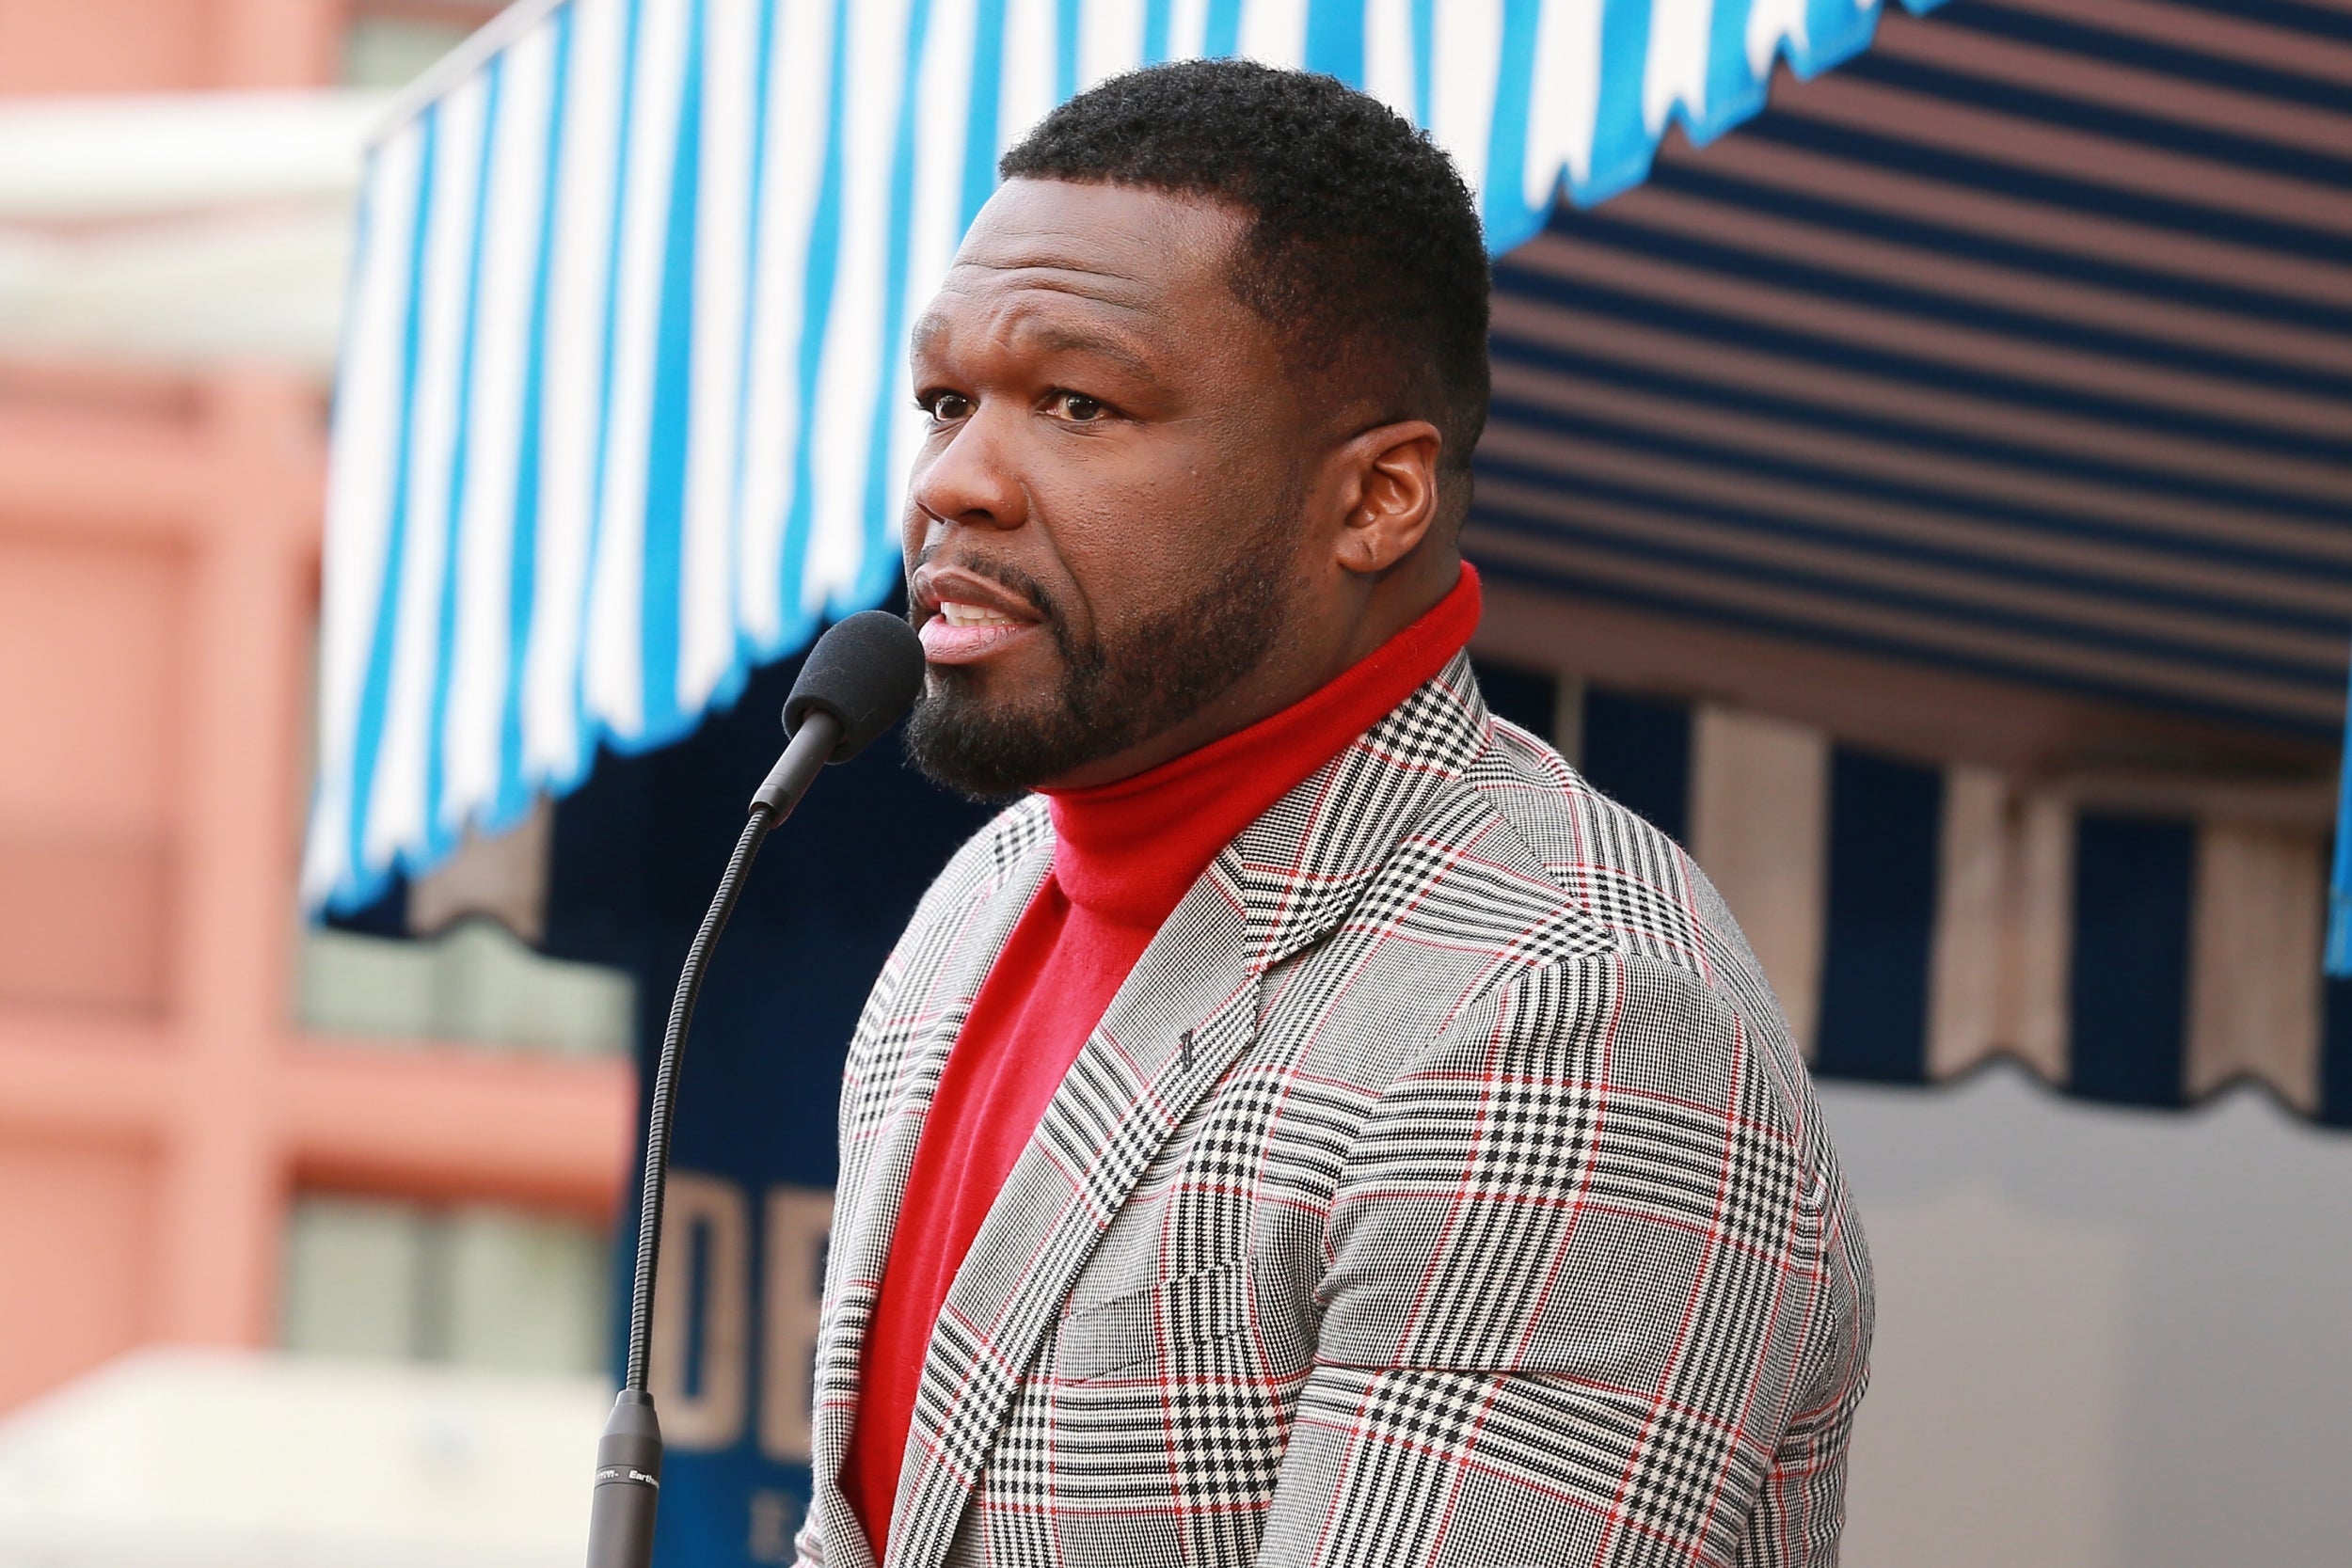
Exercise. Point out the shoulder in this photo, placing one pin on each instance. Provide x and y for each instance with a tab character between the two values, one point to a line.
1587	1063
1610	866
1648	913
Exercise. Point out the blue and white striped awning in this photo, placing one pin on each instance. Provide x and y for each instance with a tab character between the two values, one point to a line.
622	411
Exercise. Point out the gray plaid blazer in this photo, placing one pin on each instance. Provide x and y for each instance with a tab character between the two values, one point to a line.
1442	1187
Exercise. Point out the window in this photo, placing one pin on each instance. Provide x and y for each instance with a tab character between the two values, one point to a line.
474	984
470	1285
387	42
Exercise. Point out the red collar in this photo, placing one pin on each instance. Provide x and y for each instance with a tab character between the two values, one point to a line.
1125	851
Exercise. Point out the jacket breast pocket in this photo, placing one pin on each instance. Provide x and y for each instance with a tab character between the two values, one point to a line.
1159	1324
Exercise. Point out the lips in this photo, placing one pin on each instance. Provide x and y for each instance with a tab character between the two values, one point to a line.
965	617
946	642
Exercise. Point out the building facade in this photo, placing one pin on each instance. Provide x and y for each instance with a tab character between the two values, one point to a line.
225	1132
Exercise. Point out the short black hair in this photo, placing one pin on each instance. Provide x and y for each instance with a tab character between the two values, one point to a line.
1363	250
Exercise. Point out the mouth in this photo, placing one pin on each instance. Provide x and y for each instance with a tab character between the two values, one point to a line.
965	618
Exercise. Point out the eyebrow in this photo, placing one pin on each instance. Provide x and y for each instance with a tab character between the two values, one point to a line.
1063	339
1052	340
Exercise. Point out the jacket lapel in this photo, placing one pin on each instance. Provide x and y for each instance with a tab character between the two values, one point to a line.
1187	1010
899	1090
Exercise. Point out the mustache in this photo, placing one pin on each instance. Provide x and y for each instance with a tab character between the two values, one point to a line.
1002	573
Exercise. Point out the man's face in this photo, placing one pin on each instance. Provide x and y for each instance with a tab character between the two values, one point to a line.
1101	525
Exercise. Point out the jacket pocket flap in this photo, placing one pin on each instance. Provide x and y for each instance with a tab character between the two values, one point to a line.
1143	1326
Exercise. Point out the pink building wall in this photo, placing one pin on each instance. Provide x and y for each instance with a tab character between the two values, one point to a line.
159	540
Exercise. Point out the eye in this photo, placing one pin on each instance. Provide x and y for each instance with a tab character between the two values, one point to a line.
945	407
1077	407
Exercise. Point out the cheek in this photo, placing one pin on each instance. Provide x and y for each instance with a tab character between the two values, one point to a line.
1128	540
1146	523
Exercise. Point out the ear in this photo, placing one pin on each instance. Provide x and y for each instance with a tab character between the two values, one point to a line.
1391	494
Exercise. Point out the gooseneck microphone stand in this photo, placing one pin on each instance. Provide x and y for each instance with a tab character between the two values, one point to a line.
860	677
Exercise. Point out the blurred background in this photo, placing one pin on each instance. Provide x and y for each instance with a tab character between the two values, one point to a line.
1929	501
297	1205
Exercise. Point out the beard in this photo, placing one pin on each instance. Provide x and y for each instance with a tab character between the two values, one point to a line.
1116	691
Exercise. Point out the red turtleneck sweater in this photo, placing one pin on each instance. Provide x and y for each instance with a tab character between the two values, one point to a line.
1125	853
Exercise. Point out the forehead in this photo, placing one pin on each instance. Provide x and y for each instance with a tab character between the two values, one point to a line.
1131	260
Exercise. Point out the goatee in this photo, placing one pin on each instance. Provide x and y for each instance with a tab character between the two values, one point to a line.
1115	691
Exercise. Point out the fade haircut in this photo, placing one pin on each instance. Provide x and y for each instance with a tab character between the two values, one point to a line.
1363	250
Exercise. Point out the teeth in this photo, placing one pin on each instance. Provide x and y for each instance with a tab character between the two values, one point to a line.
973	615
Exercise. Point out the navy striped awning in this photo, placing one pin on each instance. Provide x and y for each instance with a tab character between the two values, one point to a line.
2006	372
1918	920
2022	345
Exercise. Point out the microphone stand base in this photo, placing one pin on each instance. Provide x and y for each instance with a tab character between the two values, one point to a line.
628	1484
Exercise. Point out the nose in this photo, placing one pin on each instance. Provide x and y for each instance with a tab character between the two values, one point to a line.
970	480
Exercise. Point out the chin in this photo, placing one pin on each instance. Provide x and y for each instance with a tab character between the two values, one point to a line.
983	748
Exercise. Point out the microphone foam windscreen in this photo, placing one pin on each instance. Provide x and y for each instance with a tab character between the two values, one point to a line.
866	671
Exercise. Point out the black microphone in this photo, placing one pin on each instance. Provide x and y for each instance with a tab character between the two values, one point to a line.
862	674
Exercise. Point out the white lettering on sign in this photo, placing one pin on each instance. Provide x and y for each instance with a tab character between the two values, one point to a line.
706	1285
704	1303
792	1287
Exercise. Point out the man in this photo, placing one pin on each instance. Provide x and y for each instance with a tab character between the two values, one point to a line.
1313	1125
